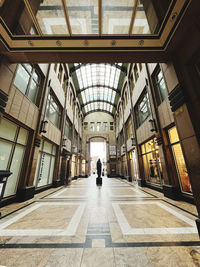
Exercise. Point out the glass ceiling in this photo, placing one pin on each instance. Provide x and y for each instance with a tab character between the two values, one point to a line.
88	17
98	86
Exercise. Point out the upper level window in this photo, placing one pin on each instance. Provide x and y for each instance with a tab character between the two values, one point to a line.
53	110
60	72
136	72
98	126
105	126
92	126
160	86
85	126
68	129
27	80
142	109
111	126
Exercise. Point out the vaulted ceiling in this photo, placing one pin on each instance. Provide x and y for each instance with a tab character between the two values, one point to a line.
98	86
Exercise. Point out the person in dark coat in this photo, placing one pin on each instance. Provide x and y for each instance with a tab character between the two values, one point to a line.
99	168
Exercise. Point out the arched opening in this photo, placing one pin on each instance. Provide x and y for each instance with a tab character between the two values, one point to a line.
98	150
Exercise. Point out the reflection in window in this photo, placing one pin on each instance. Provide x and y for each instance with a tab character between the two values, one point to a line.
53	110
142	109
160	86
151	161
68	129
105	126
13	140
92	126
51	17
179	161
27	80
98	126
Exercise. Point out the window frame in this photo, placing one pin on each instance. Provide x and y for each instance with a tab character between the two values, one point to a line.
156	82
58	110
31	78
144	96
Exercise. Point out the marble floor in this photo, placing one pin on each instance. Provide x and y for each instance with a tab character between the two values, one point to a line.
116	224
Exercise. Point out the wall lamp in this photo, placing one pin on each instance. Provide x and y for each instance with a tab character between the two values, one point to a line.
153	125
64	142
43	127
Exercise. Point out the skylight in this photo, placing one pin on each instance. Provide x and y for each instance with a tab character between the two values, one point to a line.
98	84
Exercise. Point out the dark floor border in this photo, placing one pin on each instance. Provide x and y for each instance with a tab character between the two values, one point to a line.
108	245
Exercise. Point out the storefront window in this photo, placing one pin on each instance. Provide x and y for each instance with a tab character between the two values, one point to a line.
45	164
13	140
179	161
134	165
151	161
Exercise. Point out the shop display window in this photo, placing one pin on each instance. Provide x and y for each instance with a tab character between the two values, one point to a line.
13	140
45	164
179	161
151	161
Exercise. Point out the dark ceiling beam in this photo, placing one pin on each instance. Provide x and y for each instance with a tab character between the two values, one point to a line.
99	110
75	68
102	101
98	85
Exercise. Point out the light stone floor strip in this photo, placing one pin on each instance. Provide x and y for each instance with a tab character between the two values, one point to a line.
57	195
69	231
128	230
139	194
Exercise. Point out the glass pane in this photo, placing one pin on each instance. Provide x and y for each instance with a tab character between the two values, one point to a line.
146	168
23	24
153	168
181	168
116	16
36	171
163	90
83	16
51	170
140	25
28	67
33	89
54	150
5	150
173	135
7	130
36	77
51	17
44	169
150	146
47	147
22	137
12	182
21	79
143	149
146	20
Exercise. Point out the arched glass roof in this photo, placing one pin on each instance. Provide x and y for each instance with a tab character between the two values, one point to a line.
98	86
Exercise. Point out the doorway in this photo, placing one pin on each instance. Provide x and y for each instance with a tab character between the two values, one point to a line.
98	151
